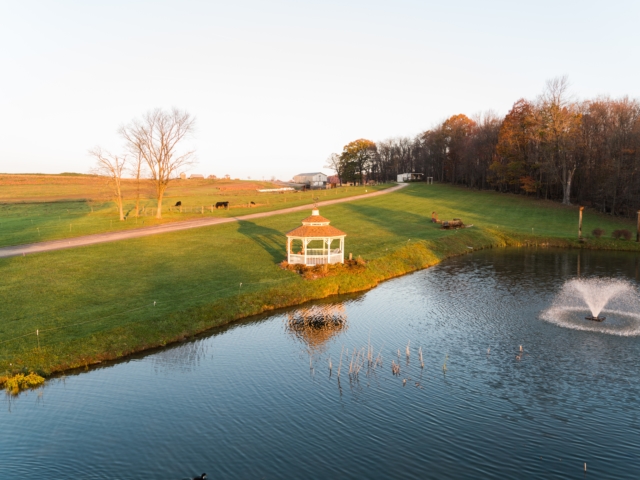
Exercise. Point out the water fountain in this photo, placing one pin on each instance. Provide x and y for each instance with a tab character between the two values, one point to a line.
594	296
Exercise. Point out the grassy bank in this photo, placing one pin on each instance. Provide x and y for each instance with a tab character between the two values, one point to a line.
37	208
105	301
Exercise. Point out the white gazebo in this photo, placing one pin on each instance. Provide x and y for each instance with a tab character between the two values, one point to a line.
315	242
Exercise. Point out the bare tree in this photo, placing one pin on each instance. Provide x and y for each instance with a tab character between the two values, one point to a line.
155	138
560	122
136	170
111	166
334	163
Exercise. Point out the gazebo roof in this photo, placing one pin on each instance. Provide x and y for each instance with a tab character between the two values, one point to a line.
316	226
315	220
323	231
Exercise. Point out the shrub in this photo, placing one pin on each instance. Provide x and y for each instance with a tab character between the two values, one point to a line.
623	233
598	232
14	384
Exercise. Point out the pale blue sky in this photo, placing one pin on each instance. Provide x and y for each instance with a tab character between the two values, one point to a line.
277	86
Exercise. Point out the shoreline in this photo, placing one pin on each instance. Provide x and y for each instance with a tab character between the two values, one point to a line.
409	258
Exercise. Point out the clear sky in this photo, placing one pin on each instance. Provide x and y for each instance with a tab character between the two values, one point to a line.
277	86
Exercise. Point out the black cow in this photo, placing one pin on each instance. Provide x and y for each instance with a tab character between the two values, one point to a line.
253	204
222	204
178	204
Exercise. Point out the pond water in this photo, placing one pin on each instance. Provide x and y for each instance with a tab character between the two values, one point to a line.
257	399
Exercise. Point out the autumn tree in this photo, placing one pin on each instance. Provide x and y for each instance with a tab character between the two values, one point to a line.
111	167
457	131
156	138
358	156
514	165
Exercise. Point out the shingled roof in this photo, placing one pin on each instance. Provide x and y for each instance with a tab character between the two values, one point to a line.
316	226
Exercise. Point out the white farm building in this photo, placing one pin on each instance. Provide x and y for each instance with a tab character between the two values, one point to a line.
409	177
315	179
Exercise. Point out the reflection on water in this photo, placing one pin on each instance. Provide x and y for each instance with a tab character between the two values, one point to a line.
317	324
447	373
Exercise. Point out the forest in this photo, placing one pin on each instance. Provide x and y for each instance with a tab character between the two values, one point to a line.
554	147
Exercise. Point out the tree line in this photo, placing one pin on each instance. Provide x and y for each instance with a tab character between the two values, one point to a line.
553	147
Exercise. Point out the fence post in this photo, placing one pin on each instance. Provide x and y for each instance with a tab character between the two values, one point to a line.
580	224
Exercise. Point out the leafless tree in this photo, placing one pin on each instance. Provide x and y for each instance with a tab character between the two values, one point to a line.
334	163
156	138
560	124
136	169
111	166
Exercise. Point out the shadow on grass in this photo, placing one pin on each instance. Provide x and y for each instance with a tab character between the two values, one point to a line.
401	223
271	240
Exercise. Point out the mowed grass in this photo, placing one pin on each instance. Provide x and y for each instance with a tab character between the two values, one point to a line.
107	300
36	208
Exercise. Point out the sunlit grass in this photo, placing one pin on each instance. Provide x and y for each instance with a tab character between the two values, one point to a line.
42	220
100	302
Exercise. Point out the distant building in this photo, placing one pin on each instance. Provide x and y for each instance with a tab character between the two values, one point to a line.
333	181
315	179
196	175
183	176
410	177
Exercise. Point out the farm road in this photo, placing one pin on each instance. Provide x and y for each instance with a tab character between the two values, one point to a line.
167	227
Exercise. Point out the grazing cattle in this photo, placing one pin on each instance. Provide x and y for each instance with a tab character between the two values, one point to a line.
253	204
222	204
178	204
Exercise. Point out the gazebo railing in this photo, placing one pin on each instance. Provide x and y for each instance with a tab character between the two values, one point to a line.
317	256
320	251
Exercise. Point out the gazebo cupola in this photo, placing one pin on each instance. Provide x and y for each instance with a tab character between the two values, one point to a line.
315	242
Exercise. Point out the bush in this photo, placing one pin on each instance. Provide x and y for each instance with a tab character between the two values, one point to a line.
14	384
598	232
623	233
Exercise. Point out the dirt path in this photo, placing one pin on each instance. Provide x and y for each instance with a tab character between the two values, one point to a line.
167	227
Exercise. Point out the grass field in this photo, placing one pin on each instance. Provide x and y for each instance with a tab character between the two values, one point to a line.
104	301
36	208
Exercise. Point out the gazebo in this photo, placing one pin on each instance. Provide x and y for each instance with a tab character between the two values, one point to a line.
315	242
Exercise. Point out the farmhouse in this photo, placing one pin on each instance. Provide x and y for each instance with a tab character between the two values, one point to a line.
315	179
315	242
409	177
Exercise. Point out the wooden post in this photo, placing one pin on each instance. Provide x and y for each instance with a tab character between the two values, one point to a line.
580	225
638	228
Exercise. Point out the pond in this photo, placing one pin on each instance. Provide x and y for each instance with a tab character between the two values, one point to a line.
500	390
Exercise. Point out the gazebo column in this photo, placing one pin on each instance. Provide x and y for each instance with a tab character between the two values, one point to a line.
305	242
327	250
342	249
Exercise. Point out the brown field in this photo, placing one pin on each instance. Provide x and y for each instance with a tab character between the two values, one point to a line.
55	188
36	208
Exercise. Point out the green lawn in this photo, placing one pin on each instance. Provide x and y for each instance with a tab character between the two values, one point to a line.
97	302
22	223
